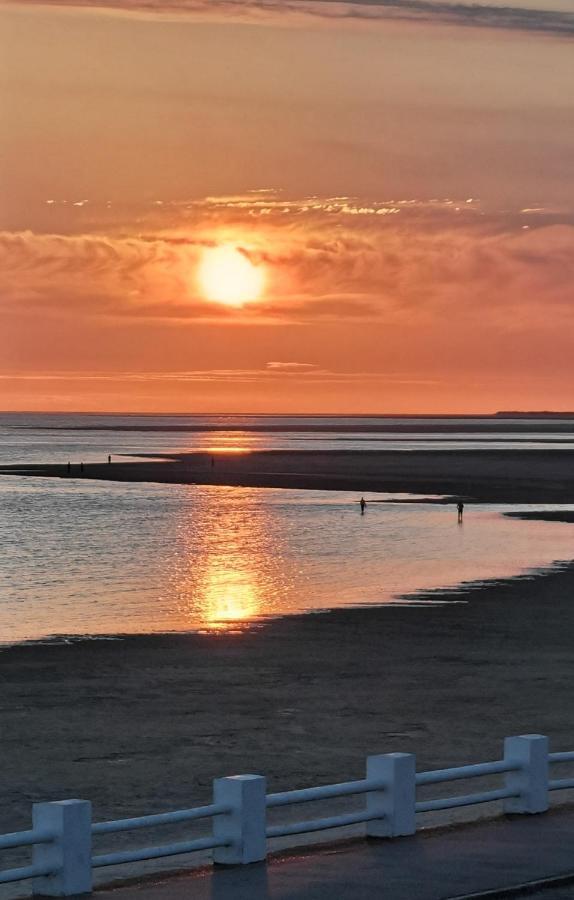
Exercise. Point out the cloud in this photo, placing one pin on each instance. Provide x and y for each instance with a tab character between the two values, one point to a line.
102	275
517	18
511	270
213	376
291	367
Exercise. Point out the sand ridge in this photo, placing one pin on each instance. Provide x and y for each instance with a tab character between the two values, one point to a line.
486	476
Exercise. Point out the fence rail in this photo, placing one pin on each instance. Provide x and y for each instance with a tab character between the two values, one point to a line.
567	756
324	792
129	856
62	833
171	818
25	873
25	839
440	776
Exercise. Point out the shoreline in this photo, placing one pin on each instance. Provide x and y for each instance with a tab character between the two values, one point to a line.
425	598
549	515
416	599
142	723
479	476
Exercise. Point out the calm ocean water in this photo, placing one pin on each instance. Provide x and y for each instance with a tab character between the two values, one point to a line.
28	438
98	558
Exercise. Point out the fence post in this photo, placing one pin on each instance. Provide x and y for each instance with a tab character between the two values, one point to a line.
70	853
530	781
396	803
245	824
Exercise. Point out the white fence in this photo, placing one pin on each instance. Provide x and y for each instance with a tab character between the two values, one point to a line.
62	832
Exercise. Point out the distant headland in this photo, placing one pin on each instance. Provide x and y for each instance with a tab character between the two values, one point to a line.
533	414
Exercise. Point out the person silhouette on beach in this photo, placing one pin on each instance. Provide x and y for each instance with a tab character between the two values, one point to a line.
363	503
109	459
460	509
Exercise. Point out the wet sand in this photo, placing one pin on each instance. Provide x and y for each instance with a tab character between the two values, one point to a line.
486	476
549	515
143	724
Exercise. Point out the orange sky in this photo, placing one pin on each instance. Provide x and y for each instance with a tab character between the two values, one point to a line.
402	188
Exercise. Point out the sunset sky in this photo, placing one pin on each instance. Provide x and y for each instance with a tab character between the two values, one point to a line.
286	205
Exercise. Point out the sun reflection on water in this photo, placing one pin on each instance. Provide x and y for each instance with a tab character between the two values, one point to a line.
143	558
225	565
228	599
228	448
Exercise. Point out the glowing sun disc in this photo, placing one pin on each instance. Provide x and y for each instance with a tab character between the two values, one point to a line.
227	276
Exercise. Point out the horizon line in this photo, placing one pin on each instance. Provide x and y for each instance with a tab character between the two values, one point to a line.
291	415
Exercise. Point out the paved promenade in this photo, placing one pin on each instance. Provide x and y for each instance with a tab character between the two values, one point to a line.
436	865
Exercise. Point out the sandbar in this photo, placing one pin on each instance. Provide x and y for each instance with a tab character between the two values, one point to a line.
484	476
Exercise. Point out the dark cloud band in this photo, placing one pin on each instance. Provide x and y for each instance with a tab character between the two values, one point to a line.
475	15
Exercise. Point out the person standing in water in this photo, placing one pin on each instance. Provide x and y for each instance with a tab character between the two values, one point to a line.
363	503
460	509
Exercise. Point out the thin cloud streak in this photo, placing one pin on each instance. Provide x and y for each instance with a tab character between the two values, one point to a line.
289	368
543	22
219	376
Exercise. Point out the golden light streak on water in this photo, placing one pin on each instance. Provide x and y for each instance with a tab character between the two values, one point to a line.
229	599
225	572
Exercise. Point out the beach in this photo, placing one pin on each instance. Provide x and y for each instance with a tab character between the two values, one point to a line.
143	724
486	476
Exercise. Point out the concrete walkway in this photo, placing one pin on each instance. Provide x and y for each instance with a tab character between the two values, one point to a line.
435	865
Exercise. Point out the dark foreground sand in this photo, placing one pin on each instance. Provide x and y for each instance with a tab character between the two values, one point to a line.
487	476
144	723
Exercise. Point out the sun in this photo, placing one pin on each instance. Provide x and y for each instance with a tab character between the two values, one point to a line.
228	276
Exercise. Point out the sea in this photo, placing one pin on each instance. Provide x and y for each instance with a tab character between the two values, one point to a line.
94	559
